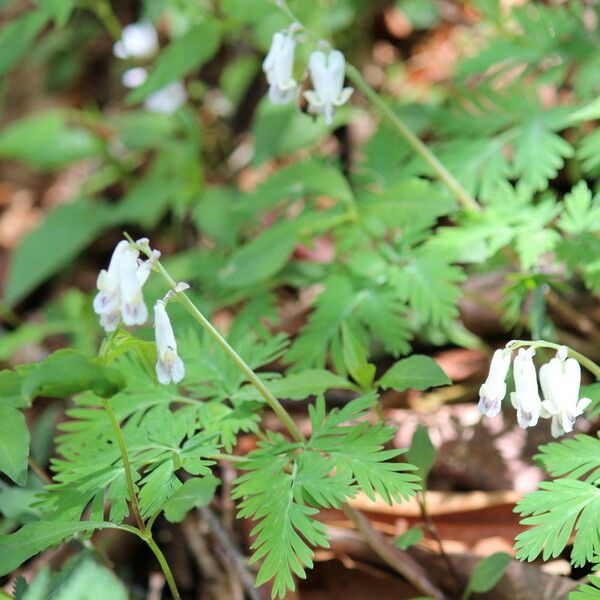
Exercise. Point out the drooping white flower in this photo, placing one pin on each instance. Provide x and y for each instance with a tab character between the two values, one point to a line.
138	40
168	99
560	380
327	75
526	398
133	78
120	288
278	67
169	367
492	392
133	307
108	298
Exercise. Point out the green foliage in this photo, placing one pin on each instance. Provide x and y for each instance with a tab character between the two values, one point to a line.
361	240
556	510
487	573
194	493
574	458
285	483
81	578
587	591
32	538
184	54
409	538
418	372
48	141
421	453
66	231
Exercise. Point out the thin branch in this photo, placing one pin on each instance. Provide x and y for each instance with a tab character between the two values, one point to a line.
433	531
399	560
233	554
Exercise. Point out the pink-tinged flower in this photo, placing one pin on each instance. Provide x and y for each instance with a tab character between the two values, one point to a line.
492	392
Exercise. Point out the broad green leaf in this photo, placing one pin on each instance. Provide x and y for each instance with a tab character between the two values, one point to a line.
47	141
14	445
90	581
16	504
298	386
418	372
10	388
280	130
421	453
65	232
181	56
487	573
68	372
194	493
355	358
32	538
261	258
17	37
409	538
59	10
301	179
141	130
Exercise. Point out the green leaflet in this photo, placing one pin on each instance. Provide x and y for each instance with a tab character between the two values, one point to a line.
65	232
418	372
68	372
180	57
32	538
14	445
48	141
556	510
193	493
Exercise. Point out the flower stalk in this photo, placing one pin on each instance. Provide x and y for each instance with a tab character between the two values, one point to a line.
252	377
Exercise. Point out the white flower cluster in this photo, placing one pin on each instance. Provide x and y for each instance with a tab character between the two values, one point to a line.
560	380
120	298
139	41
326	67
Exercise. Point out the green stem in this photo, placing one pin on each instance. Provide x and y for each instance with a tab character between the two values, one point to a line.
463	197
252	377
104	11
164	565
133	503
589	364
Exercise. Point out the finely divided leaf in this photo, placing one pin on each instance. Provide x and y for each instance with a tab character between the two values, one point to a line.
556	510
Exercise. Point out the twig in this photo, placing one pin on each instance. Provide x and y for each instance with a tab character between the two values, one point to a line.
432	529
399	560
233	554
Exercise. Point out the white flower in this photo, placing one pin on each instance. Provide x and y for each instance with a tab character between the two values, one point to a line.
492	392
133	275
168	99
327	74
138	40
169	367
560	380
526	397
279	67
120	289
135	77
108	298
